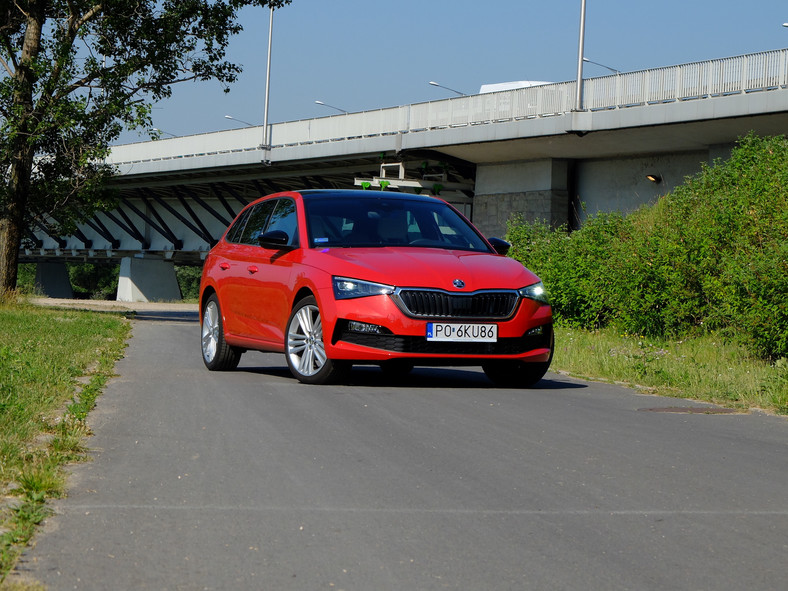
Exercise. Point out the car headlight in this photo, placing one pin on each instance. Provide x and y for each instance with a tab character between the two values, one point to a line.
535	292
345	288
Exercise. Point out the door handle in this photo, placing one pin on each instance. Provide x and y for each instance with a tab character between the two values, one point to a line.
252	269
224	266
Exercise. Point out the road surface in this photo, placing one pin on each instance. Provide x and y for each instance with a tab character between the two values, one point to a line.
250	480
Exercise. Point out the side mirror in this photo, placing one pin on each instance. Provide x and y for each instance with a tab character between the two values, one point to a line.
500	246
273	239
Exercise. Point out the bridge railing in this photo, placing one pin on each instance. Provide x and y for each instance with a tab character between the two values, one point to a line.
698	80
746	73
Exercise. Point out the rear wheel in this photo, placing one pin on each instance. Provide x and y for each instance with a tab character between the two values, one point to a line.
305	350
216	353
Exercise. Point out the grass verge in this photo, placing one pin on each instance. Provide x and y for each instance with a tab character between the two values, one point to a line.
706	368
53	365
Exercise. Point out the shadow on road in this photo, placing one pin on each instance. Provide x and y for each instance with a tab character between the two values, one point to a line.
364	376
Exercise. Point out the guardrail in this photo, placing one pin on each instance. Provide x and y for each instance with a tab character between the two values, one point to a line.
699	80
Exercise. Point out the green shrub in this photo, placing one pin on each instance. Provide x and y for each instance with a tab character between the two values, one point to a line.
95	281
570	265
189	281
712	255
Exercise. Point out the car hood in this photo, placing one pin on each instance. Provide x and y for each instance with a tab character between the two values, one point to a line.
425	267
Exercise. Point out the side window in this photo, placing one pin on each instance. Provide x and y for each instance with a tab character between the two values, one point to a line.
258	219
284	218
235	231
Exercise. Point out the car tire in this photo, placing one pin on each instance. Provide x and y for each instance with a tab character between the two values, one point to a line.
216	353
305	349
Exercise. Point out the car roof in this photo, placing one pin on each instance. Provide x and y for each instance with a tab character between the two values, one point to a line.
364	194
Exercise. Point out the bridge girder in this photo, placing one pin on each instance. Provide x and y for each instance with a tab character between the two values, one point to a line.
180	216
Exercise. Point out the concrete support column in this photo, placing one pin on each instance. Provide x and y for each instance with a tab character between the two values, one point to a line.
53	281
537	190
147	280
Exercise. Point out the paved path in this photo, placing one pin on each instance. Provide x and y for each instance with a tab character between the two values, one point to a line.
249	480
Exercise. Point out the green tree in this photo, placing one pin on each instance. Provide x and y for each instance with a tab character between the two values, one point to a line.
73	75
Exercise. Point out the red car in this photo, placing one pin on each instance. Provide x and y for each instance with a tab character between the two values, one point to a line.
334	278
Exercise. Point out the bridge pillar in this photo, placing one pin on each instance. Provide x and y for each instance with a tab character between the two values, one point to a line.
53	281
538	190
147	280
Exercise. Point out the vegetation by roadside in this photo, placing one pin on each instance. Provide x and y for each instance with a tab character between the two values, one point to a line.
709	258
700	277
708	367
53	365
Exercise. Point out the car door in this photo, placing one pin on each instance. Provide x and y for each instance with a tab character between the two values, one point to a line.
238	266
267	287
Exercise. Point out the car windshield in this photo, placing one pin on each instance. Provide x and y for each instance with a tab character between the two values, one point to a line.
377	222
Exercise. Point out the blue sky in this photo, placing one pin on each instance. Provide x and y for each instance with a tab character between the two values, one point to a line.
361	54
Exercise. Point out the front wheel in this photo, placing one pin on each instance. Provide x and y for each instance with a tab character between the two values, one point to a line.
305	350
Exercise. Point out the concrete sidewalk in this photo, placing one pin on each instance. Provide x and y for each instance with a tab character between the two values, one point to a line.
176	311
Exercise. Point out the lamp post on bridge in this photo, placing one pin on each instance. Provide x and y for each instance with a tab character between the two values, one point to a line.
240	121
266	139
433	83
585	59
580	51
330	106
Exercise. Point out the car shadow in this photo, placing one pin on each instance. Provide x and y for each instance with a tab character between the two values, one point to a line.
364	376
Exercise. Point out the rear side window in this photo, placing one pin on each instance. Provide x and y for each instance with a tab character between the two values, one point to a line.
257	222
235	231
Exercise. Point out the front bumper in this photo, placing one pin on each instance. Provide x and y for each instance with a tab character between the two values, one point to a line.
526	336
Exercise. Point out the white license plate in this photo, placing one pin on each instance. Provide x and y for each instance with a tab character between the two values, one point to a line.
462	333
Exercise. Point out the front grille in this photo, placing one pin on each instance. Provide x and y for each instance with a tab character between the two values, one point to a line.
441	304
420	345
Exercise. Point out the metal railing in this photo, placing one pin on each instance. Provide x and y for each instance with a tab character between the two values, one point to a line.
699	80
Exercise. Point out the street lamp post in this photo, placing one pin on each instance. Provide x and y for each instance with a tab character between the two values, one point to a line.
585	59
266	140
330	106
240	121
432	83
580	51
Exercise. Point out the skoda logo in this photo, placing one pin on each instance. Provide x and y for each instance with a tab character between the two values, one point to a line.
459	283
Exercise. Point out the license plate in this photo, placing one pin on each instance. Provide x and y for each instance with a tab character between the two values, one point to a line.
462	333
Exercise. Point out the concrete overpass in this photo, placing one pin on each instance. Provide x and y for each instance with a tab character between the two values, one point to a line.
524	151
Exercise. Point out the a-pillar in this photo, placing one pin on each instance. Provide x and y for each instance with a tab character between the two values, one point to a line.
147	280
53	281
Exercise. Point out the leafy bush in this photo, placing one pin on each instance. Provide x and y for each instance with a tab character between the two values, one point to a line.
712	255
189	281
96	281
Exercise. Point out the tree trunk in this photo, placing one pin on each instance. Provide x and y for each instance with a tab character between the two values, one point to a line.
13	224
22	150
10	239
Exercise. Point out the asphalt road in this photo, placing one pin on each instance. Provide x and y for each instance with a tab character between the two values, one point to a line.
249	480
